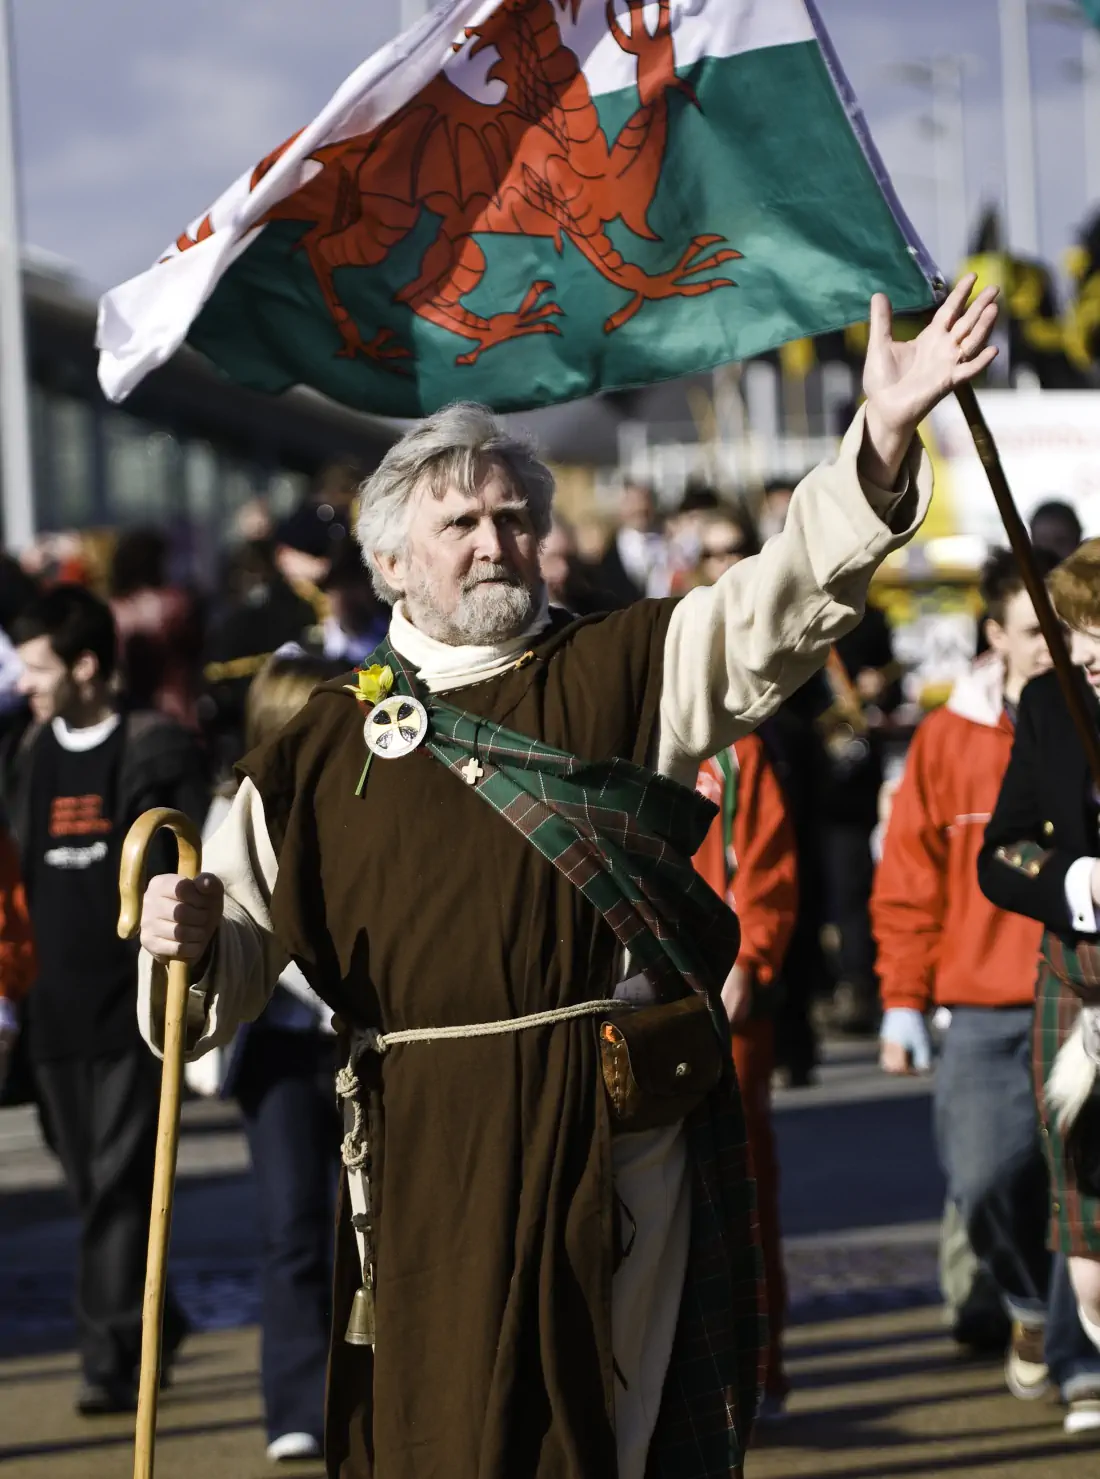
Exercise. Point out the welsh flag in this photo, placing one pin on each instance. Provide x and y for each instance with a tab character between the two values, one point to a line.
524	201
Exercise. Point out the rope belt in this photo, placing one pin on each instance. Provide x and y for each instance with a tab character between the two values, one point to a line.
370	1040
378	1042
355	1151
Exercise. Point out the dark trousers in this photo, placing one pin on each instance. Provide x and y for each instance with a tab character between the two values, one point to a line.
849	874
286	1092
805	977
101	1121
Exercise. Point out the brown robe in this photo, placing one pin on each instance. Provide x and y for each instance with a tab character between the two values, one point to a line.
417	905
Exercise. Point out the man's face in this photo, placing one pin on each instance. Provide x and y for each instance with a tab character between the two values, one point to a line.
298	568
45	681
469	571
722	544
1084	650
773	515
1019	642
636	508
554	558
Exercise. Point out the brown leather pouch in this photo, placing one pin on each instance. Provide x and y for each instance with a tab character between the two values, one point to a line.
659	1063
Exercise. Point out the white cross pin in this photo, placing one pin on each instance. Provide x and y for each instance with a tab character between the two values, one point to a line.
472	772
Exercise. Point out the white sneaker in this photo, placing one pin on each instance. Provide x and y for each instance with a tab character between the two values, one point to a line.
291	1446
1083	1414
1026	1373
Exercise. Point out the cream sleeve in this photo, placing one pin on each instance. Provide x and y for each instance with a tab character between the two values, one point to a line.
247	960
735	650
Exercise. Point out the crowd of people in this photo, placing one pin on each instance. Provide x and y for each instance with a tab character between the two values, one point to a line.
145	694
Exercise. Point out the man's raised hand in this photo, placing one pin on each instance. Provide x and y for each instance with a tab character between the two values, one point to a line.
179	916
904	381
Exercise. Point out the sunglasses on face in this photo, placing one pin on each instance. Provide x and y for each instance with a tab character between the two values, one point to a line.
727	552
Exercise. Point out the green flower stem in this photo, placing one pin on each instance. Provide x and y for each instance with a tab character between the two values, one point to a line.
363	777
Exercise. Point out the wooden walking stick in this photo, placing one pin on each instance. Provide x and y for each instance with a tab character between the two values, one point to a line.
131	873
1020	543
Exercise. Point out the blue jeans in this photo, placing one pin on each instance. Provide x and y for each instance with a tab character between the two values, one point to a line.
987	1135
1073	1359
285	1090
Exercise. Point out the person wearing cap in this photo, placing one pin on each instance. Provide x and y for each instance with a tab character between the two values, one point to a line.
478	851
277	595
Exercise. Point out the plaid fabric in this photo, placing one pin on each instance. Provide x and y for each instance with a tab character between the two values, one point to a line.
716	1369
1075	1218
624	836
1076	966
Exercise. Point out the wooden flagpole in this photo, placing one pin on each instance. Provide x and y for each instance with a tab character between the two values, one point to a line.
1020	543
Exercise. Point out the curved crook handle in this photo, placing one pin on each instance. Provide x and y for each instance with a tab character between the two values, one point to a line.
134	851
131	871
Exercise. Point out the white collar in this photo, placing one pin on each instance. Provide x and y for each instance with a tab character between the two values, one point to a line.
979	692
76	741
441	666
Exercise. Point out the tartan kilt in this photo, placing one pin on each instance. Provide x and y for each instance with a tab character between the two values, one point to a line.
1074	1217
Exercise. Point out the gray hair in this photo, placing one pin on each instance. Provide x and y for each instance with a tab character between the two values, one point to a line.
447	449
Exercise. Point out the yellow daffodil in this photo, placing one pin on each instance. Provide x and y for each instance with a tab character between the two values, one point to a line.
374	683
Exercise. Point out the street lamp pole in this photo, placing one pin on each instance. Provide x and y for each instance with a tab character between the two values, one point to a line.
942	76
1019	129
1087	72
950	151
16	486
1090	85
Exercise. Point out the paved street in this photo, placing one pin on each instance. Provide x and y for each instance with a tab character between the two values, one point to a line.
880	1392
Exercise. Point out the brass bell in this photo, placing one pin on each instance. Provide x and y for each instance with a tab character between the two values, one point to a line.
360	1329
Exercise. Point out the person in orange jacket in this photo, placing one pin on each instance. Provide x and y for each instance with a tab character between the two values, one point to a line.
748	857
17	959
941	943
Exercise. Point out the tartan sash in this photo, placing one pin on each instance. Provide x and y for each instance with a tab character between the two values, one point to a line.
623	835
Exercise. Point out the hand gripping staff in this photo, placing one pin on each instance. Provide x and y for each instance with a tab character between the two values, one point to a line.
131	873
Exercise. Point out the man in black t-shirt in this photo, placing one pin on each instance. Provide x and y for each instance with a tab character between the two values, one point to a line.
82	773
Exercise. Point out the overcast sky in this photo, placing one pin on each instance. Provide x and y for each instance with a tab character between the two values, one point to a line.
134	114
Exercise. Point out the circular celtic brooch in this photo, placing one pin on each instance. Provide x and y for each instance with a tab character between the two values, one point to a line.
395	726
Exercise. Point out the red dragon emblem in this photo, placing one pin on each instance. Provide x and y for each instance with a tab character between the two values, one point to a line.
534	164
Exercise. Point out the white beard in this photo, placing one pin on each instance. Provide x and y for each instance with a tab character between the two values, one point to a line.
488	611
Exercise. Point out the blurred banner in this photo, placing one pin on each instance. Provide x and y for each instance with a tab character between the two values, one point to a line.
525	201
1049	442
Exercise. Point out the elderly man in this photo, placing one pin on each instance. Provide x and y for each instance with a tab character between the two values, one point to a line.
551	1300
